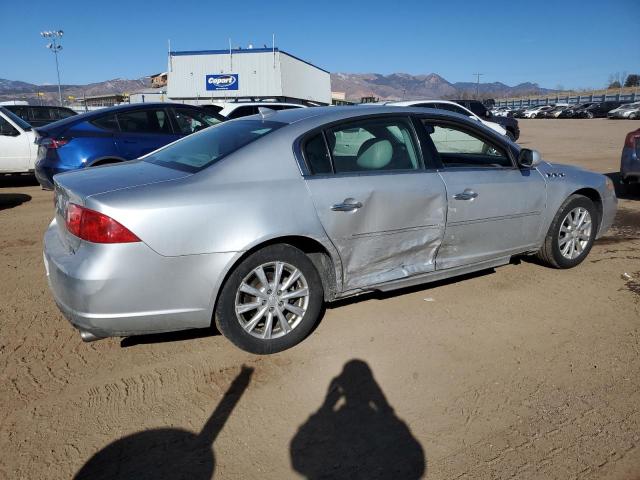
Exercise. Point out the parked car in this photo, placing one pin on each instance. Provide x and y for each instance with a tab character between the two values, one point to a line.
451	107
553	112
630	160
232	110
41	115
112	135
254	223
596	110
532	112
629	111
510	124
17	150
570	111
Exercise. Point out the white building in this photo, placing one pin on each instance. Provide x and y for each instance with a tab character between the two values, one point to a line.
255	73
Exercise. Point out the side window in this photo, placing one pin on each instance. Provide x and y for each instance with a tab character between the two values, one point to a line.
38	113
189	120
62	113
108	122
461	148
373	144
317	155
145	121
243	111
7	129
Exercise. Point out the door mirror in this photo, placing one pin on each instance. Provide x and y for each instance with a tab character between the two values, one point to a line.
488	114
529	158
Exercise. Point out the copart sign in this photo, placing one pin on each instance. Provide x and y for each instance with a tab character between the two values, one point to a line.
222	82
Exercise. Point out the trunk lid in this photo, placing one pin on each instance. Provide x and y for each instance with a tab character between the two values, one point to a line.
76	187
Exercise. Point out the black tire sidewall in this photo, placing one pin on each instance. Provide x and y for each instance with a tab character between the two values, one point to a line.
225	316
571	203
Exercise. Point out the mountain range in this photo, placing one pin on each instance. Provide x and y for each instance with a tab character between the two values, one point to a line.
398	86
395	86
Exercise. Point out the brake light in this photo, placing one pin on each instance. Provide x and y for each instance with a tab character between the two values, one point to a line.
632	138
96	227
54	143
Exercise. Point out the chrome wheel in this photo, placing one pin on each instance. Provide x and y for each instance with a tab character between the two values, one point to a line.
272	300
575	233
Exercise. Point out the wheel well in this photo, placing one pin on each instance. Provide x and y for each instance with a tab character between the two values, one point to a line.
105	161
316	252
594	196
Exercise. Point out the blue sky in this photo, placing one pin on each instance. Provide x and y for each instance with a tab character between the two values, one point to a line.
576	44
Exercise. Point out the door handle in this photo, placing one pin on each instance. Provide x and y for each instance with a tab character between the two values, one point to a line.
468	194
348	205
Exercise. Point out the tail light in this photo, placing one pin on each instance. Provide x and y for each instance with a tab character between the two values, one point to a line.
632	139
55	142
96	227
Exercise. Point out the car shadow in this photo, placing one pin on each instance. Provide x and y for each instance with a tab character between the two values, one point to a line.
625	192
356	434
167	452
12	181
178	336
11	200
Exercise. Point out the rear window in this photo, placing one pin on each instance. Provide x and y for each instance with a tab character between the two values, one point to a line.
201	150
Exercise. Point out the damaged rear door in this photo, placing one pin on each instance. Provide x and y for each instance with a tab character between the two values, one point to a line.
381	208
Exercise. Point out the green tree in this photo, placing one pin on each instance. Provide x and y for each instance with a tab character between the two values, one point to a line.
615	84
633	80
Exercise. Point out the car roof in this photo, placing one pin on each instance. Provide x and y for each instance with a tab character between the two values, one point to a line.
69	121
259	104
322	115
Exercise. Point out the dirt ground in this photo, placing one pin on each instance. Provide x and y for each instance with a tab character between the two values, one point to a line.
522	372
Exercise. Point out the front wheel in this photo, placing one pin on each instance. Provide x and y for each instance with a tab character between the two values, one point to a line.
271	301
571	234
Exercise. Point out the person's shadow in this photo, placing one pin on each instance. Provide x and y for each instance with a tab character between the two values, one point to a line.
167	452
355	434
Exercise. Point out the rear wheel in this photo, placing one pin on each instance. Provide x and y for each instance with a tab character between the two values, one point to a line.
571	234
511	135
271	301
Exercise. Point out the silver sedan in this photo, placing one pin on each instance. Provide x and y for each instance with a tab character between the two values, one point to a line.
254	223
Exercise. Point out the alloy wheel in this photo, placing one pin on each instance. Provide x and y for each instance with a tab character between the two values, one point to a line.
272	300
575	233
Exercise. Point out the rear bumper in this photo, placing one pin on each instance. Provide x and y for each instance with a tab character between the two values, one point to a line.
128	289
629	165
44	175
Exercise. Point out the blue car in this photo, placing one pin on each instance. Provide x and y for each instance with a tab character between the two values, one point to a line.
113	135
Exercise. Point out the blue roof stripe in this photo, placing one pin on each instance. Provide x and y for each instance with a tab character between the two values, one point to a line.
236	51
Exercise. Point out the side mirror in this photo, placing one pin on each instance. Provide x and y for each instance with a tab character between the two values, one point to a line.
488	114
529	158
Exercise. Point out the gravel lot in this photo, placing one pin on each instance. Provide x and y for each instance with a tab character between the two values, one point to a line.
522	372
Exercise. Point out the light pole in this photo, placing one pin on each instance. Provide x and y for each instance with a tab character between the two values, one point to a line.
55	47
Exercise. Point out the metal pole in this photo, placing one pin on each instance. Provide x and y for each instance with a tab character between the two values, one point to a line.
478	75
55	52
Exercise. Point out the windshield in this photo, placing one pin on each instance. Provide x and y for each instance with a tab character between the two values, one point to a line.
201	150
16	119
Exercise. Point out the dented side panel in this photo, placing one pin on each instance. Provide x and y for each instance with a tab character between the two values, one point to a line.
394	234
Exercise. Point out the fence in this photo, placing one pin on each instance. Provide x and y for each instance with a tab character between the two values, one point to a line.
570	99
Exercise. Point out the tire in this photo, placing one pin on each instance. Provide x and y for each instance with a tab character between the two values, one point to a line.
511	136
589	115
241	329
562	227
